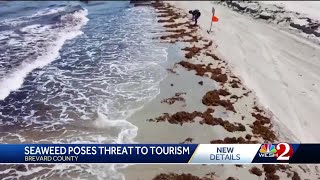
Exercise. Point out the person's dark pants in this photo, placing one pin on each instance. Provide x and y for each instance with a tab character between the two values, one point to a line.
196	19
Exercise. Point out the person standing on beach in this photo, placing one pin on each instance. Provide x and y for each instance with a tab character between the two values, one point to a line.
195	15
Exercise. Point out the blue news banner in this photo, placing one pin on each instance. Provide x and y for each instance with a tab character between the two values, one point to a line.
281	153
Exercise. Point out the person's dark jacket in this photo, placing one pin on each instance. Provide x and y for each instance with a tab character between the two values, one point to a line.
196	13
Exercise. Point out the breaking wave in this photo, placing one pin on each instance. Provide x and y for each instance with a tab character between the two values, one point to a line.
35	45
65	79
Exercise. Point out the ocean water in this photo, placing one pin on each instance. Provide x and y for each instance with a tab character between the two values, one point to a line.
73	72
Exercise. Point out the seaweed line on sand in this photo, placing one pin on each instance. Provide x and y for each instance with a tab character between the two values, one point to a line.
184	31
211	98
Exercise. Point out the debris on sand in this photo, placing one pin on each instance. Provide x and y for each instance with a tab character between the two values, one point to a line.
191	51
213	56
188	140
175	25
174	176
262	119
157	4
182	117
235	84
248	136
270	170
195	50
176	30
192	26
176	97
169	13
185	32
230	178
265	132
257	109
234	97
206	46
193	39
220	77
223	92
178	36
201	69
256	171
210	120
295	176
259	128
233	140
212	98
247	93
165	20
172	71
177	118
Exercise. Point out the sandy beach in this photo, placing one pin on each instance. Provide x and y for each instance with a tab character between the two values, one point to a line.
202	101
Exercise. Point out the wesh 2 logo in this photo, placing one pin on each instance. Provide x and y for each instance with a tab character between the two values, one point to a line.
282	151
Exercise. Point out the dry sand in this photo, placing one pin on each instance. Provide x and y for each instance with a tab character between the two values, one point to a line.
201	101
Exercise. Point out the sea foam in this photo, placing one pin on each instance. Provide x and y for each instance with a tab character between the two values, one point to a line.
68	28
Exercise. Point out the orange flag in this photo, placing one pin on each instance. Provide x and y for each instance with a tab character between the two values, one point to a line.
215	19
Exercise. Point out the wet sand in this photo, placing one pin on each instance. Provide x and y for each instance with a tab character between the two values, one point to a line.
201	101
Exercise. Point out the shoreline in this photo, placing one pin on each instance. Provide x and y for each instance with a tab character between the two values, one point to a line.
201	101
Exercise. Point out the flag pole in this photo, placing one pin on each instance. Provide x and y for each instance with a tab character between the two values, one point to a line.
213	12
210	27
